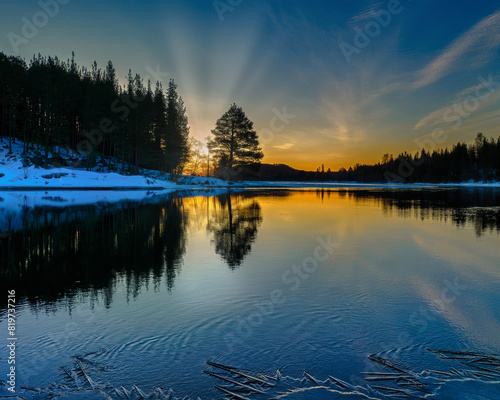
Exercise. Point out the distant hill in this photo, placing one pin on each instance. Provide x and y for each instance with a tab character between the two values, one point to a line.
283	172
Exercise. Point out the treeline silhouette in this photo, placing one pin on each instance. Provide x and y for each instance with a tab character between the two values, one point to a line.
479	161
60	105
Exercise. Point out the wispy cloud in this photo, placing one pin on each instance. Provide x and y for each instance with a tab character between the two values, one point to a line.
365	15
432	119
482	118
474	48
285	146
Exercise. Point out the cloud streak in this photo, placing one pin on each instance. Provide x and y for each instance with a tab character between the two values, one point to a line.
285	146
478	45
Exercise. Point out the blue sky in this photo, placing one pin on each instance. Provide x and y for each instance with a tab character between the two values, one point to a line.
412	81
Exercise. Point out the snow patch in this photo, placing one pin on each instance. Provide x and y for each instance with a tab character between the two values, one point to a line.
16	173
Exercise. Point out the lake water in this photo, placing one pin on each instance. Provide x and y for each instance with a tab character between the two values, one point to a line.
328	287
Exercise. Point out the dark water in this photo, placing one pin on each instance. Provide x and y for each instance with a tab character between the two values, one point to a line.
144	293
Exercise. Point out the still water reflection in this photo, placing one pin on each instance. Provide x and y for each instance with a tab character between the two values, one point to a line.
152	289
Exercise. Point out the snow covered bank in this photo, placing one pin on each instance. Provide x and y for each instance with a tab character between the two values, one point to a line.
16	174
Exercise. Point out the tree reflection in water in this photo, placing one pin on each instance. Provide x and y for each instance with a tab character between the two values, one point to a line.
53	252
234	221
474	207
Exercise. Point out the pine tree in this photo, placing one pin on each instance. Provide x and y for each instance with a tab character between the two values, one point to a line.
184	148
234	141
176	132
159	126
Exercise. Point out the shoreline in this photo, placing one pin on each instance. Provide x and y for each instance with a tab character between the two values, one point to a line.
15	176
245	185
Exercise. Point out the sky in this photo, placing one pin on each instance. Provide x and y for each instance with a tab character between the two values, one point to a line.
335	82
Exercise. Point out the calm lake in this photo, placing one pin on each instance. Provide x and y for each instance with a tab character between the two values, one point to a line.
331	288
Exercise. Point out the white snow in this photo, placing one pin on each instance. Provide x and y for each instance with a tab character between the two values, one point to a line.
15	176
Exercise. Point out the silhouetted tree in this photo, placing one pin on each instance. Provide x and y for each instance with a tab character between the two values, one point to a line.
159	126
176	131
234	141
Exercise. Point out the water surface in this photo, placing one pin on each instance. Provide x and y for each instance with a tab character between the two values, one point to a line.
145	292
